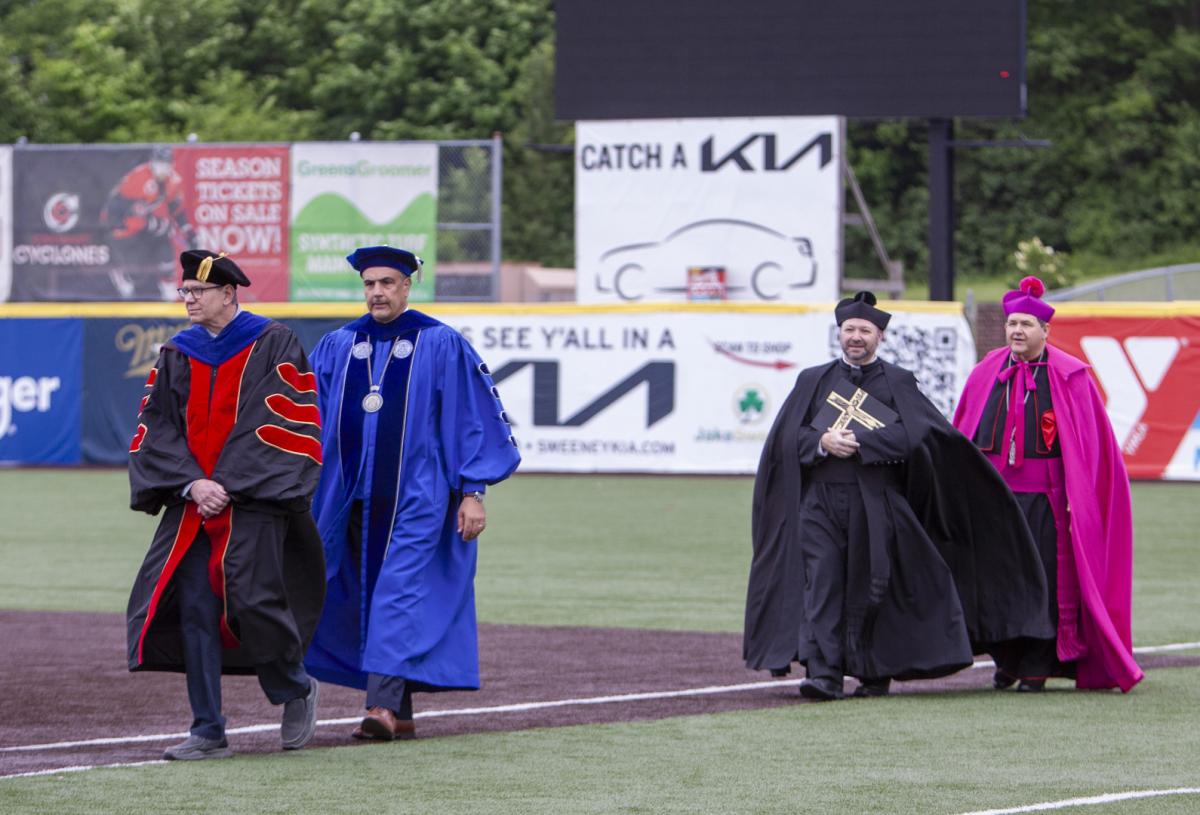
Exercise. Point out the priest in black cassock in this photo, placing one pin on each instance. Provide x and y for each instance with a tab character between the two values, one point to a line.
885	547
228	448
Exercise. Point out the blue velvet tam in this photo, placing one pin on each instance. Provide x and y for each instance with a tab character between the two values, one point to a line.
402	260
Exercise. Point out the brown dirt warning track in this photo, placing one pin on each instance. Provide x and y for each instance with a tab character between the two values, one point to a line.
67	700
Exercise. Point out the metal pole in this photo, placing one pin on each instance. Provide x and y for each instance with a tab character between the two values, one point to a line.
941	209
497	187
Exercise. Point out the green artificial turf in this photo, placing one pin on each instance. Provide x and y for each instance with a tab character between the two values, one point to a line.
647	552
924	753
637	551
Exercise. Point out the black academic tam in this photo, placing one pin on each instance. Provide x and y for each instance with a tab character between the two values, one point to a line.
950	526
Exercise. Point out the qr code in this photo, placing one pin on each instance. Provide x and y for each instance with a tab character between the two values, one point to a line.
931	353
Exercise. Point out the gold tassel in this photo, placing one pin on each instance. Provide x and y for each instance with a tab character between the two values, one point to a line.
206	267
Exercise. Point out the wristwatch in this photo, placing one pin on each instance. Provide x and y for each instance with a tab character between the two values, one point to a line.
478	496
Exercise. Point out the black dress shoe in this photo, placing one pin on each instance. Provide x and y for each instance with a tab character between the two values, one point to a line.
1031	686
1002	681
820	689
873	687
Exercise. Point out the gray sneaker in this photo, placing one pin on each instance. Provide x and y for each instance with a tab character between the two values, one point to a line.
300	718
196	749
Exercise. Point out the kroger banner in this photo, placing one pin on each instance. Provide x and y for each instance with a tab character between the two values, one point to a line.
708	209
346	196
690	391
40	393
5	222
1146	360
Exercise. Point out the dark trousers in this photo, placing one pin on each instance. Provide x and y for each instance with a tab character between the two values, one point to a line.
391	692
200	621
1027	658
834	520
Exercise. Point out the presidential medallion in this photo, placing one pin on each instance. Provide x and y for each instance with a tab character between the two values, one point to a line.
372	402
402	349
361	350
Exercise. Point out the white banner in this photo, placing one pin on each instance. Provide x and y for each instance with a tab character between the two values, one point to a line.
684	390
5	223
708	209
347	195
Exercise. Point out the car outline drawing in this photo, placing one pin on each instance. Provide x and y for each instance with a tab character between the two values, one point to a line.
758	281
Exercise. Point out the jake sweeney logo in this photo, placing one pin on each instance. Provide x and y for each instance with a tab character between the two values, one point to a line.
24	394
750	404
1129	371
142	344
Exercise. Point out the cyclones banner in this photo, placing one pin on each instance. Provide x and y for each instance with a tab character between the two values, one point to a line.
1146	360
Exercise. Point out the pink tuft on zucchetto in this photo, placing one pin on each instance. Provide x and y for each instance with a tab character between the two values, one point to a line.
1028	300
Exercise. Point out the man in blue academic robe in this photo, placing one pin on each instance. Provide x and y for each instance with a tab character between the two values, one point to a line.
413	433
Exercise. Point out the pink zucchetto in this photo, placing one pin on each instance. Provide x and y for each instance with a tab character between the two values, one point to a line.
1028	300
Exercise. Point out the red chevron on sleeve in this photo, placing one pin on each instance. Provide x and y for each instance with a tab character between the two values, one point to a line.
142	406
138	438
297	444
301	383
150	380
280	405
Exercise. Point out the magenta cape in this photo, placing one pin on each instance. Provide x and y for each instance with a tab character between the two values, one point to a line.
1100	510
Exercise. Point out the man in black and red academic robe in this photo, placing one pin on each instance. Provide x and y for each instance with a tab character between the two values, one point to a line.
880	533
228	441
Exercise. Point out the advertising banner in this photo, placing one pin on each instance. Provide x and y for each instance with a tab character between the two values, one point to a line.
118	356
5	222
237	201
109	223
1147	364
708	209
347	195
685	392
40	390
91	224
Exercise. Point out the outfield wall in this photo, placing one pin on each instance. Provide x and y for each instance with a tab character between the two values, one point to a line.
688	388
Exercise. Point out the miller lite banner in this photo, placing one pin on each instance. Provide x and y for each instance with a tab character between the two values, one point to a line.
751	208
1146	360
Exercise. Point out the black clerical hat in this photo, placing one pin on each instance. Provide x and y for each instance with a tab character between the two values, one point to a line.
862	305
207	267
402	260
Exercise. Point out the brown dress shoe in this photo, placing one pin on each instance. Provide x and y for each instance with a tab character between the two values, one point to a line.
381	724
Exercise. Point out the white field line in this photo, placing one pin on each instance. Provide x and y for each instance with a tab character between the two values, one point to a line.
480	711
1107	798
81	768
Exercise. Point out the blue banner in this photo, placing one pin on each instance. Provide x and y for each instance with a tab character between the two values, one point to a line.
40	390
119	355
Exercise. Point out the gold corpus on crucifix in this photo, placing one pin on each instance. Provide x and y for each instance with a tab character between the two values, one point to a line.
852	411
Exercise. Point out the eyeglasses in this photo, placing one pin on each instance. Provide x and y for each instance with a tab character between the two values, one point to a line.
194	292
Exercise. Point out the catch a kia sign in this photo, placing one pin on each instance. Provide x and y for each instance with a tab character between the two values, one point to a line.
708	209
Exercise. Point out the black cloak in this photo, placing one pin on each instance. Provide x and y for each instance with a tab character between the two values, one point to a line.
951	569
